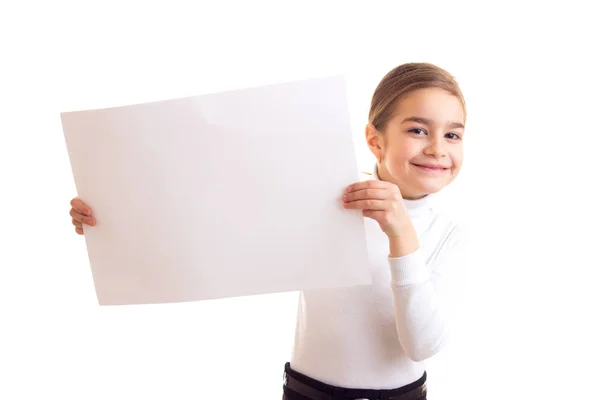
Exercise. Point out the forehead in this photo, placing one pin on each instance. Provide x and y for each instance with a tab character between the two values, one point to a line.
431	103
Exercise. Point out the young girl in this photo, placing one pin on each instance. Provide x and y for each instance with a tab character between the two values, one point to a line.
369	342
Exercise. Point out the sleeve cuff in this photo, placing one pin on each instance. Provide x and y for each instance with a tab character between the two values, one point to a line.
410	269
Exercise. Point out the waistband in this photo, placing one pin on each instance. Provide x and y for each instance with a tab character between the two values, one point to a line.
316	390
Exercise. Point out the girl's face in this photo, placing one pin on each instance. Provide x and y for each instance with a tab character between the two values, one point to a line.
421	147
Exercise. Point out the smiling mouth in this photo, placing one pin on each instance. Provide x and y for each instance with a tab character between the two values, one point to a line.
431	168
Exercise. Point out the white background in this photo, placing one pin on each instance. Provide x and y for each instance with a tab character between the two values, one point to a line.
530	77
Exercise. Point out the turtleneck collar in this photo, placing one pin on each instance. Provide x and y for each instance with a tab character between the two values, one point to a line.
415	207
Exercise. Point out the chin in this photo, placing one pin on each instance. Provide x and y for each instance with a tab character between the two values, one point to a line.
430	187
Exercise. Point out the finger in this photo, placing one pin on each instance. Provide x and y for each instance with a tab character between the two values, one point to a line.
368	205
79	231
364	194
80	206
76	223
376	215
373	184
76	215
82	218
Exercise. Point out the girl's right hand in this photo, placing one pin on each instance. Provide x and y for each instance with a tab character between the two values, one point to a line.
81	214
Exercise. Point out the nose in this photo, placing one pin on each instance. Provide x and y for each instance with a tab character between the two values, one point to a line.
436	148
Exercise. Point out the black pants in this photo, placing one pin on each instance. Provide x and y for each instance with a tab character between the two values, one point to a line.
301	387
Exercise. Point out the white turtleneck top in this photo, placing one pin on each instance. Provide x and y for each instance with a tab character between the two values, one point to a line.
377	336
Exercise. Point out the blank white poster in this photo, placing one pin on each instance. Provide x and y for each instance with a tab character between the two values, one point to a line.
220	195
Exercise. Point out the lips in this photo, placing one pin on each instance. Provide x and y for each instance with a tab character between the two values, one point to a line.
431	167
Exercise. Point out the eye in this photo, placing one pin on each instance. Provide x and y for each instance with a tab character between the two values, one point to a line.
418	131
453	136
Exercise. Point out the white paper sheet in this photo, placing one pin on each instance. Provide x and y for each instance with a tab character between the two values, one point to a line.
220	195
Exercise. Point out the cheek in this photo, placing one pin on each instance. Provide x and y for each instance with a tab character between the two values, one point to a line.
399	160
402	151
457	158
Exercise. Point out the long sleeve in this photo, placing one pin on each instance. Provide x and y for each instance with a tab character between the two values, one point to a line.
426	295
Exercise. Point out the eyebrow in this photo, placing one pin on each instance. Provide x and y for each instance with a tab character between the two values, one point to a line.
427	121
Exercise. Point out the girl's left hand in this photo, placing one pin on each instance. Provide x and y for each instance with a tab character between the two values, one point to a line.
381	201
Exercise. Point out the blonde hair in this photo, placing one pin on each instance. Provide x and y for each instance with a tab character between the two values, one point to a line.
404	79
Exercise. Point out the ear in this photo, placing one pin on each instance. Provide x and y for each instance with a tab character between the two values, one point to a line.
375	141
